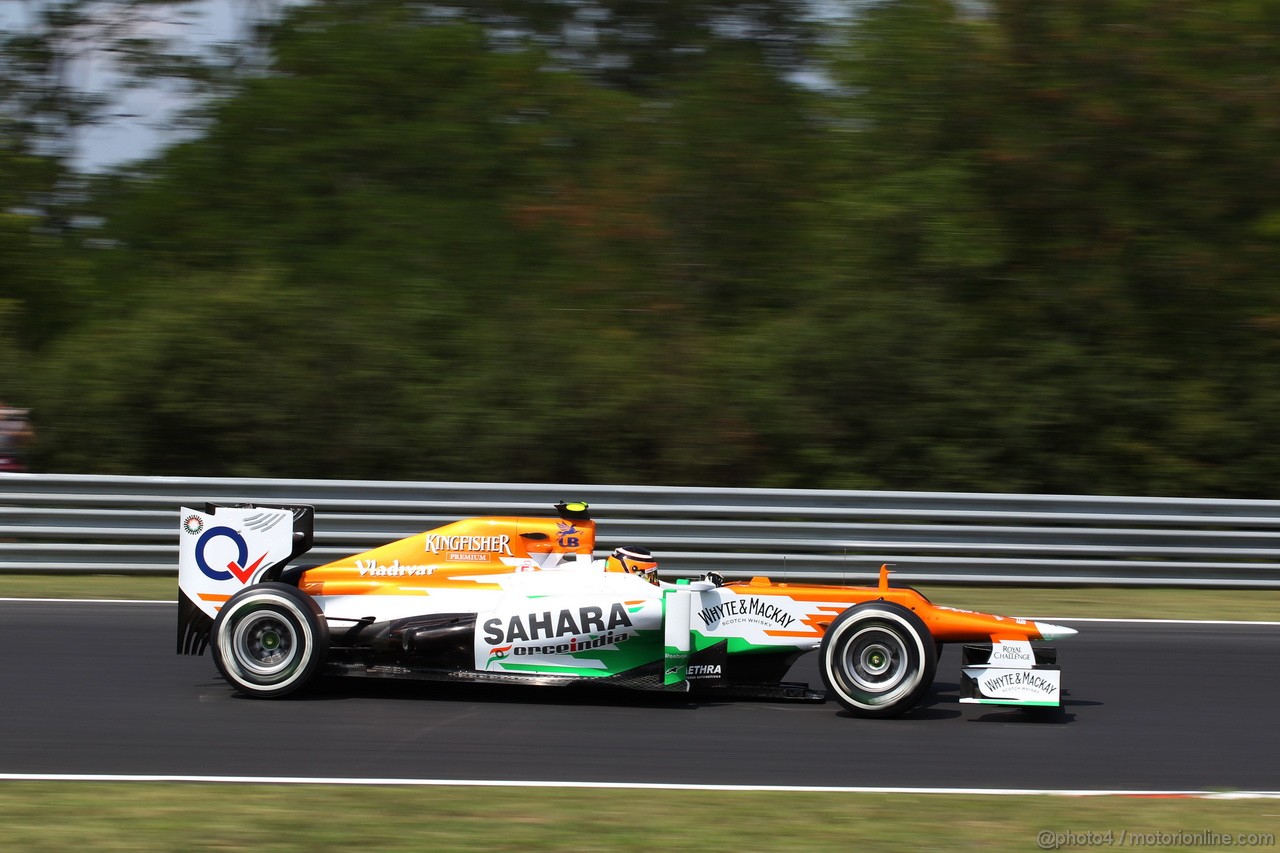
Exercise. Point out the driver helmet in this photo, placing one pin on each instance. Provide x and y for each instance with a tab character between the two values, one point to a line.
637	561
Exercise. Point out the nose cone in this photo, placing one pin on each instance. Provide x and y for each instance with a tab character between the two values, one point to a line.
1049	631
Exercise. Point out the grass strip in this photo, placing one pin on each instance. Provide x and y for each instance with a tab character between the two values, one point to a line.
1114	602
194	817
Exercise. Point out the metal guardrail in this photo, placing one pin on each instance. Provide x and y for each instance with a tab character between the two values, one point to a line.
108	524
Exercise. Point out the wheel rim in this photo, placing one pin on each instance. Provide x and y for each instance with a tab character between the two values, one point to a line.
877	661
265	645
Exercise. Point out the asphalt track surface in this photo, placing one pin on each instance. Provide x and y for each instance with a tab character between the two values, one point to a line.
95	688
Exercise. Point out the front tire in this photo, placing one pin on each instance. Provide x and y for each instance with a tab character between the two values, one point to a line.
270	640
878	659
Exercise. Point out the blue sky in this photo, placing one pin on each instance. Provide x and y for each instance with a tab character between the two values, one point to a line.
138	129
135	126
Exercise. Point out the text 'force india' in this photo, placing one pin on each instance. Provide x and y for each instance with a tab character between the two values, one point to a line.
520	600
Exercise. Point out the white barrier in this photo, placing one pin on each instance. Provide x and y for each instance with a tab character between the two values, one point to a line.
106	524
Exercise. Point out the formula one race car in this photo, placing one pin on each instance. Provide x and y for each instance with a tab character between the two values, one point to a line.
520	600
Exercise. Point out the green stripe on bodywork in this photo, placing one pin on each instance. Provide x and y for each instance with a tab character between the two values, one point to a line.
554	670
637	650
737	645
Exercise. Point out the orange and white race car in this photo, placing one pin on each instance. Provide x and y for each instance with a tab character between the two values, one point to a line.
521	600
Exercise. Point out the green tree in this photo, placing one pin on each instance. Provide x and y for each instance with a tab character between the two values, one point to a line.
1052	263
1012	246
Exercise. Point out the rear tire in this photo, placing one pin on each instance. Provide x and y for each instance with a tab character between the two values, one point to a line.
270	640
878	659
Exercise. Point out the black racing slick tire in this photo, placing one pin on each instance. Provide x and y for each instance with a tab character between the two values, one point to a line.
270	640
878	659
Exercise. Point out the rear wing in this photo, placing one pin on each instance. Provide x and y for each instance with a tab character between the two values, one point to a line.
223	549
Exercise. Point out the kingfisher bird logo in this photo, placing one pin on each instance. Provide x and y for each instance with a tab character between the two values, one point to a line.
567	536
